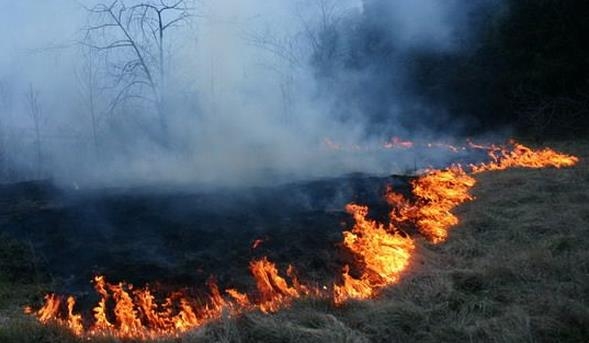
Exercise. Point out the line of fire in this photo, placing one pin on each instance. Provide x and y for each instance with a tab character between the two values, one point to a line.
382	254
294	171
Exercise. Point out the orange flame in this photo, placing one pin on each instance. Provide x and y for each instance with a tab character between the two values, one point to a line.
450	147
523	157
74	321
381	252
437	193
138	315
50	309
273	289
384	255
397	142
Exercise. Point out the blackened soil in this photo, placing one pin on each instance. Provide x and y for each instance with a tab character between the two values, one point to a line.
180	237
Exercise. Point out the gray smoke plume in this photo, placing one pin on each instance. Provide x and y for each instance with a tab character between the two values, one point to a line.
244	99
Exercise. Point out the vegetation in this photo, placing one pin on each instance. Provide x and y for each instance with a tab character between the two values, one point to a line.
526	70
515	269
514	63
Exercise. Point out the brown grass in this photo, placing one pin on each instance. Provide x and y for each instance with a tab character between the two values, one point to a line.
515	270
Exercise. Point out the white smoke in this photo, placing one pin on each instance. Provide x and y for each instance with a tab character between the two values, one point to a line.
241	113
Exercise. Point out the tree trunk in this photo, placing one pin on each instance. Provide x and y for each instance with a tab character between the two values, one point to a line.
39	155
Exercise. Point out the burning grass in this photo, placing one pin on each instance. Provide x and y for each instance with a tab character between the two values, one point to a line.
478	285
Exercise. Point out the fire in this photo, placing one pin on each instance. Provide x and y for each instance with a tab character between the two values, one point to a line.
521	156
74	321
273	289
50	309
446	146
240	298
381	253
437	193
125	312
397	142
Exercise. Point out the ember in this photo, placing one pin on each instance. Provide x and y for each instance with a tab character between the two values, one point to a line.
257	243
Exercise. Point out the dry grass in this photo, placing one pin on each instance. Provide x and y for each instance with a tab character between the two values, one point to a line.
516	269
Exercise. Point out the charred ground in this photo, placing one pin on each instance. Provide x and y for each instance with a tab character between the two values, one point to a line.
182	237
514	270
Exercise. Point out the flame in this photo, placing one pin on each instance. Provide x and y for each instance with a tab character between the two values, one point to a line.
239	298
50	309
381	253
437	193
478	146
446	146
137	314
102	323
273	289
523	157
74	321
397	142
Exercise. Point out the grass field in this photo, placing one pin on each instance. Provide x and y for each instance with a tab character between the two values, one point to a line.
516	269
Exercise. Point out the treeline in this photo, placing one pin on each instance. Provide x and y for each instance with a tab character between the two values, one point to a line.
522	64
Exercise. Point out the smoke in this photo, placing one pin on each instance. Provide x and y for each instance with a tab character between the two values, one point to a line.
426	24
247	97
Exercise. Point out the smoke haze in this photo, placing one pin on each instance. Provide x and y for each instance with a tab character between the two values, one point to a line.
246	102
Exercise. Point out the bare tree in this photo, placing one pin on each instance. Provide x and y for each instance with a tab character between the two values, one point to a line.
32	98
321	30
134	35
317	38
87	77
4	109
315	42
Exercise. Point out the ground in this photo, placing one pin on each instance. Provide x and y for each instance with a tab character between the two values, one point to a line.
515	269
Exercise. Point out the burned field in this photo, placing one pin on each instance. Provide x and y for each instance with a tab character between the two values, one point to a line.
381	251
180	237
192	171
